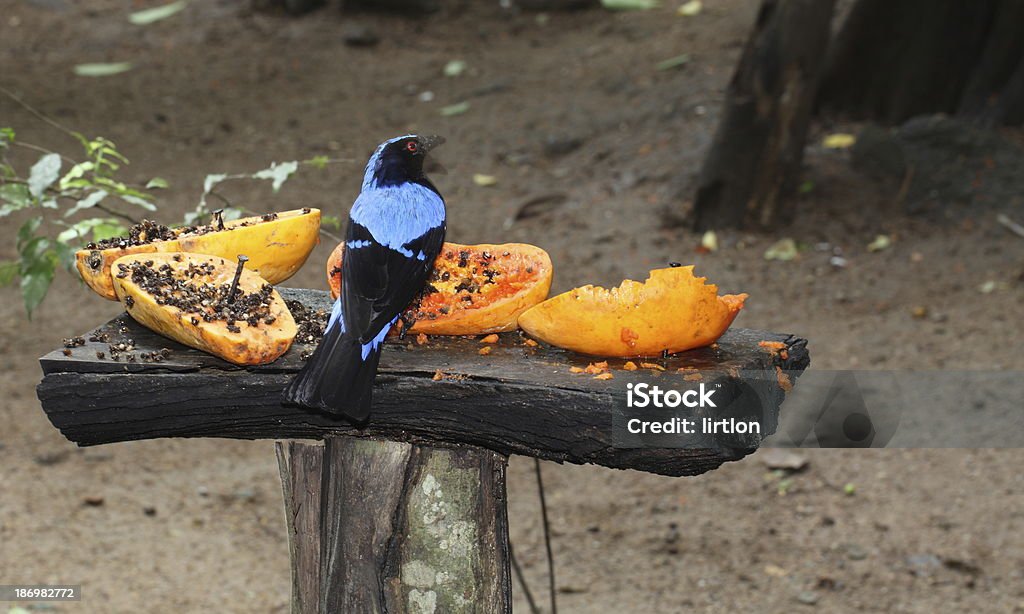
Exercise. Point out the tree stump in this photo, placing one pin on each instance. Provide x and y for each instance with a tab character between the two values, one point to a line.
755	157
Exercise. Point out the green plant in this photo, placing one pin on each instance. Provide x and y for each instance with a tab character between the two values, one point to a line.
78	202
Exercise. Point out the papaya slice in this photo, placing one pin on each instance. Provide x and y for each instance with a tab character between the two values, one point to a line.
276	243
672	310
185	297
474	289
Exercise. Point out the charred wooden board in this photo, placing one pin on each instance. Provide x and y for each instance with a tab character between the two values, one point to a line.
516	400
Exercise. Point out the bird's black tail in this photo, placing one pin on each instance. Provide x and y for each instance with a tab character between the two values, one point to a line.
338	377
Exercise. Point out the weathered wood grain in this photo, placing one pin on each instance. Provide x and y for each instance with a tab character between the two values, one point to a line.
301	467
409	529
516	400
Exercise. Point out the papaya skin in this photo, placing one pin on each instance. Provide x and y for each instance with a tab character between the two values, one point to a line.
276	248
250	346
673	311
523	279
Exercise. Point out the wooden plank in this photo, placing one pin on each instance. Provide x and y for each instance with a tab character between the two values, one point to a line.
516	400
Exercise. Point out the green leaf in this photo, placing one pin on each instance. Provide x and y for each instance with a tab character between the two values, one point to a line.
6	137
331	221
102	69
27	230
138	202
76	172
318	162
109	229
79	230
675	62
43	174
278	173
8	271
36	276
157	183
15	197
629	5
89	201
455	109
148	16
454	68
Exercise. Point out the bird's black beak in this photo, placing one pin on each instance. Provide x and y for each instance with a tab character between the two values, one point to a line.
429	142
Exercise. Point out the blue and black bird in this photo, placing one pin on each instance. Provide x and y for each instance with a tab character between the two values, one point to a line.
395	231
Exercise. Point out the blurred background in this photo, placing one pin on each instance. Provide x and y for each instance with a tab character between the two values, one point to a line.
877	215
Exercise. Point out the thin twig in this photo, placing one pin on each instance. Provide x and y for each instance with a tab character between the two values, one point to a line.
1010	225
547	537
44	150
123	216
34	111
522	581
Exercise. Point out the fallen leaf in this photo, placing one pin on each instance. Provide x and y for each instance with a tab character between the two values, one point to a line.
690	9
484	181
148	16
881	242
839	140
783	249
102	69
630	5
673	62
454	68
455	109
709	241
778	458
775	571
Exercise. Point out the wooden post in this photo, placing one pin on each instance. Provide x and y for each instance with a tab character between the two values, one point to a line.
301	467
400	528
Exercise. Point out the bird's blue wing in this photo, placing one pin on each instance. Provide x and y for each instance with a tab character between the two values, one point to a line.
387	259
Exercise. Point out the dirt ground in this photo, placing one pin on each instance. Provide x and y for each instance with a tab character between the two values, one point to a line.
567	109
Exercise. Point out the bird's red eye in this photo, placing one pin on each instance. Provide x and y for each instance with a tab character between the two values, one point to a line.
412	147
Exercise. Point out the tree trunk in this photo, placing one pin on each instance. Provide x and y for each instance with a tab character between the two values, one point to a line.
756	154
894	60
399	528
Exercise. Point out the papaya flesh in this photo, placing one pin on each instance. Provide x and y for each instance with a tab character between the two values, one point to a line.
277	245
474	289
673	311
185	297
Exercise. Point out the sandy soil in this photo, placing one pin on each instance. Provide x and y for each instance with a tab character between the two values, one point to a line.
571	107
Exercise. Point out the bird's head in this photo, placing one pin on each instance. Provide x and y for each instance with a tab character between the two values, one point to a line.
399	160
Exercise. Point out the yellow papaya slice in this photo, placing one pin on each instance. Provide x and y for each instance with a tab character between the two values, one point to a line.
672	310
188	297
277	244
